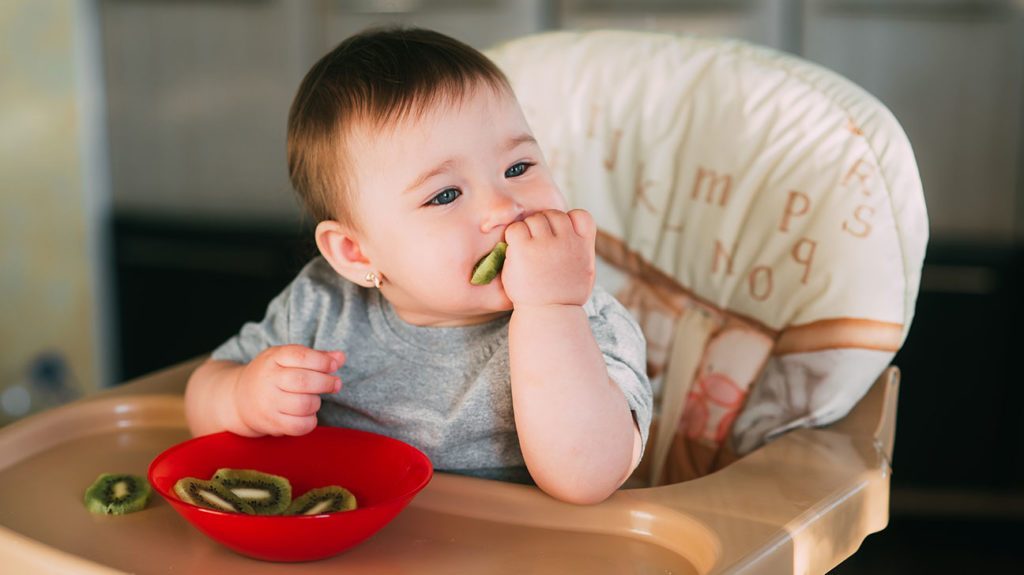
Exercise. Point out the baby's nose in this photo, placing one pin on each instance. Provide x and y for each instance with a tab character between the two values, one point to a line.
501	211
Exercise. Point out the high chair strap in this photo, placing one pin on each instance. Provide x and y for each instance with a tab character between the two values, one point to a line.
693	330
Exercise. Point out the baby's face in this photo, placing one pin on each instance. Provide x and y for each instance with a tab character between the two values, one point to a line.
435	193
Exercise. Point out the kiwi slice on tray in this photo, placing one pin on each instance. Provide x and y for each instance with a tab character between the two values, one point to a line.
117	494
210	494
268	494
488	268
323	500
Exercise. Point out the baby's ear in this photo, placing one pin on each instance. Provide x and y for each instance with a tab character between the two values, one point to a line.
340	247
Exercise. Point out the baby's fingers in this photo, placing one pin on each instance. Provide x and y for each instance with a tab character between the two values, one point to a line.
309	382
294	425
583	223
560	222
516	232
298	404
306	358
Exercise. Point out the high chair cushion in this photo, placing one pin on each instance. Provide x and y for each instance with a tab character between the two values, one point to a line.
761	216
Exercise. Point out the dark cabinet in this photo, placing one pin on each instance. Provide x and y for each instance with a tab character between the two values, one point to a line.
961	402
184	287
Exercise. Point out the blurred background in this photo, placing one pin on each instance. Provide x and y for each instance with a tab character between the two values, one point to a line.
145	211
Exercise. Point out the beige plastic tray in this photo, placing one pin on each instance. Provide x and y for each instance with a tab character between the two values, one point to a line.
801	504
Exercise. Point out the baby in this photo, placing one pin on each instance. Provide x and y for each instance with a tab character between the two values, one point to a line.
411	151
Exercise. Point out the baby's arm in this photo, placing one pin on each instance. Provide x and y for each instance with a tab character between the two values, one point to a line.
575	428
277	393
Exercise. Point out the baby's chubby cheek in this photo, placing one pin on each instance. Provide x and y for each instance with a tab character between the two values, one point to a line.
552	200
559	201
430	266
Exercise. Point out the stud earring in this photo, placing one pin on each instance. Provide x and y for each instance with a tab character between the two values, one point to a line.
374	279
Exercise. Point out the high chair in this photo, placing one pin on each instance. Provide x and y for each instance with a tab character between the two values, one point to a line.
762	217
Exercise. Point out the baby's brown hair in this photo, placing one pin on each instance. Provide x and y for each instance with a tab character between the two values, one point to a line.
373	79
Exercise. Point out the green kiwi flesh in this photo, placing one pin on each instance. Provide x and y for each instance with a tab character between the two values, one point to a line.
210	494
323	500
268	494
488	268
117	494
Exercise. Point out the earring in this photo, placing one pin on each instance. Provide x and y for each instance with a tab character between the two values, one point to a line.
375	279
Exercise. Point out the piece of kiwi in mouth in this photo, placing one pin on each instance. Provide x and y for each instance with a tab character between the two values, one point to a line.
489	266
210	494
268	494
322	500
117	494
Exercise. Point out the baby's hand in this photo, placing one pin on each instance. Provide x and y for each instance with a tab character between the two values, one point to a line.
277	393
550	259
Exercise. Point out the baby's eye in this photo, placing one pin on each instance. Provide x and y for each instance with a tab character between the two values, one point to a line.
446	196
517	169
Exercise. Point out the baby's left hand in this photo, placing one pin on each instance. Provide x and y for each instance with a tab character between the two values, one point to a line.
550	259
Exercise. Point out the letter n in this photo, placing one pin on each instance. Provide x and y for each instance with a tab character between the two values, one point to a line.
720	252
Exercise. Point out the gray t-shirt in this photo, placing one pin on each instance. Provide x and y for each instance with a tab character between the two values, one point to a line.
445	390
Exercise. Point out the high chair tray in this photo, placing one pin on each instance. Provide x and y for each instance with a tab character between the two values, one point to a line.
801	504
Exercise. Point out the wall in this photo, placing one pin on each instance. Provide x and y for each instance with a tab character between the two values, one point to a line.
51	191
199	91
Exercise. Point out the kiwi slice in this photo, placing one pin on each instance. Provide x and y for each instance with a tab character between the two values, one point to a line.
267	494
210	494
489	266
117	494
323	500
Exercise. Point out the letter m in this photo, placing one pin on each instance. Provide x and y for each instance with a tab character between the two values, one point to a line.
711	183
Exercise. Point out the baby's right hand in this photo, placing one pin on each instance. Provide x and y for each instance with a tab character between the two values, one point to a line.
278	392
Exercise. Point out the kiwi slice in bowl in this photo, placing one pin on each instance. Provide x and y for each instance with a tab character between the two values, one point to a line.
323	500
210	494
268	494
489	266
117	494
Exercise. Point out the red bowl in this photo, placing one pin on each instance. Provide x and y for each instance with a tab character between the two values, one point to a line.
383	473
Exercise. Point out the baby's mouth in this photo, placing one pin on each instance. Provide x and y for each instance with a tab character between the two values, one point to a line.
489	266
